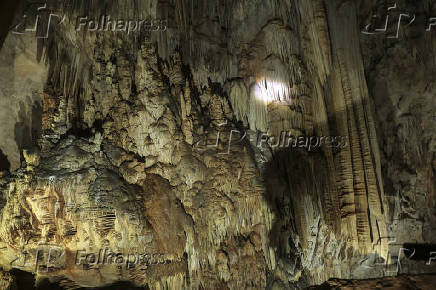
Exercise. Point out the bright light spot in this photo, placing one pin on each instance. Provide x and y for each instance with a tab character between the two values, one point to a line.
271	91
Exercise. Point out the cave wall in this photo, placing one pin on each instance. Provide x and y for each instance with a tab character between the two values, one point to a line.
123	154
399	73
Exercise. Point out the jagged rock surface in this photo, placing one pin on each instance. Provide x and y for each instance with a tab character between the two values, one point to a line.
400	283
125	157
399	74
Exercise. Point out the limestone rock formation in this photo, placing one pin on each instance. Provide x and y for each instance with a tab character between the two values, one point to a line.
227	145
400	282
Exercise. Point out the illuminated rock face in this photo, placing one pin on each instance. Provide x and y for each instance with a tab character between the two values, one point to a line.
125	179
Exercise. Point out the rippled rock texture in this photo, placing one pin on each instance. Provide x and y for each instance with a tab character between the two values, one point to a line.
136	157
400	282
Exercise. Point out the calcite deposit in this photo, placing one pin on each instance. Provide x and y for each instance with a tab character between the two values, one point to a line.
401	282
154	158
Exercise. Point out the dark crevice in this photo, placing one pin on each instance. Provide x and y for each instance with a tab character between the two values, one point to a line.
5	165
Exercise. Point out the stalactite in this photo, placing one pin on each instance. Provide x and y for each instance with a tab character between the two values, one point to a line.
230	217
